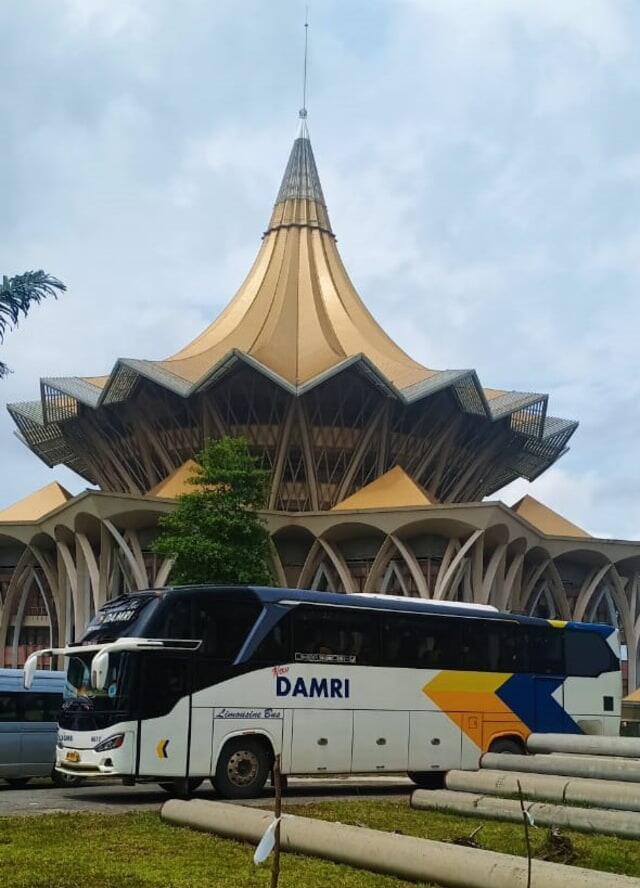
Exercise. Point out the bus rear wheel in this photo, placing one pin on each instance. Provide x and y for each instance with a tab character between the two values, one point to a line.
181	788
427	779
243	767
506	745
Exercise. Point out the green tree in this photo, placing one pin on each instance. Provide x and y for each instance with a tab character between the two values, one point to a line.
215	534
17	295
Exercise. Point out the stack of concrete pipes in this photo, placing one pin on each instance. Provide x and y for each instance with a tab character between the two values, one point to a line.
407	857
600	774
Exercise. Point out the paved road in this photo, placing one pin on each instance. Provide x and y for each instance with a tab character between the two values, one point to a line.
40	797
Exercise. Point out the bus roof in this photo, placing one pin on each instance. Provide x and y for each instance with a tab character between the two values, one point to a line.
44	680
275	595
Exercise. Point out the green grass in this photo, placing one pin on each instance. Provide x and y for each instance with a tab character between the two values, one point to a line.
138	850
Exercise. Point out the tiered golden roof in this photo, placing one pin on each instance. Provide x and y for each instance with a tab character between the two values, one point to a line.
298	320
297	312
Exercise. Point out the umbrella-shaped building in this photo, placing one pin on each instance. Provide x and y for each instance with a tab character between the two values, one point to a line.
380	466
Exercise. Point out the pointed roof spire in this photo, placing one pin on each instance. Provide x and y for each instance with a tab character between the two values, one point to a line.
301	180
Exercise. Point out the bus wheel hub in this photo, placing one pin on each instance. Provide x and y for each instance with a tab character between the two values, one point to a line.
243	767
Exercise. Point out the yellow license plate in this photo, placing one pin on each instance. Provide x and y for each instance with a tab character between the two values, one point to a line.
72	756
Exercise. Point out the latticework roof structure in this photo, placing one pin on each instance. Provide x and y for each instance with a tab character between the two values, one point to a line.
297	322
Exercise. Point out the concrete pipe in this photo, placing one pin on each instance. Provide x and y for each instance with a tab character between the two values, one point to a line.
623	824
566	790
585	744
417	860
595	767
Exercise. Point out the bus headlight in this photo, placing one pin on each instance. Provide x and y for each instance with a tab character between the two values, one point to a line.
110	743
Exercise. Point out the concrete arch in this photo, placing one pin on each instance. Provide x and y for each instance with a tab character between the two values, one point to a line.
340	565
393	574
21	574
590	584
448	528
163	573
411	561
445	576
138	571
516	551
383	556
546	571
299	537
17	626
307	572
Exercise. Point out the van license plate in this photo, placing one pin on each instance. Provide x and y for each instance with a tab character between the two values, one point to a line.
72	756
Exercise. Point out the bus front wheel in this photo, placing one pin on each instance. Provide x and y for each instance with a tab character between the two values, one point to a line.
243	767
427	779
65	780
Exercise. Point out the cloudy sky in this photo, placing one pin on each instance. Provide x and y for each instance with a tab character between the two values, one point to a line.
480	159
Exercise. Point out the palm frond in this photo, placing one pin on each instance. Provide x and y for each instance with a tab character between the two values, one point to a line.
17	294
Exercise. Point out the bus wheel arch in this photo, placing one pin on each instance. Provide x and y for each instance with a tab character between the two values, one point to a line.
243	766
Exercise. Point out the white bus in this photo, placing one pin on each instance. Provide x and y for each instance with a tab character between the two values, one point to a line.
181	684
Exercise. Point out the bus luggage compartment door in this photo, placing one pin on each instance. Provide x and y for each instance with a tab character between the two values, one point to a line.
380	741
435	742
321	741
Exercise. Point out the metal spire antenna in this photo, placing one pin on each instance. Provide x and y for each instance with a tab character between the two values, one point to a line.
303	110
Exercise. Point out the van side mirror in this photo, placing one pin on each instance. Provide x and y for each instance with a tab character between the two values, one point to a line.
99	670
30	670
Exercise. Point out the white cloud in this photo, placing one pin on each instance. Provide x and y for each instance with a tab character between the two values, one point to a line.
479	159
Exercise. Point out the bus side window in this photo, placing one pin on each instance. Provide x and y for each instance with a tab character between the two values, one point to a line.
349	635
546	650
505	646
406	641
588	654
9	707
275	647
223	625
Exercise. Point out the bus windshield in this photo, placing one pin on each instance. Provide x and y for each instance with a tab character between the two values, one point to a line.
92	707
124	616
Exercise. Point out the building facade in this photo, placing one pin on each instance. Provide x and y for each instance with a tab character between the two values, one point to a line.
380	466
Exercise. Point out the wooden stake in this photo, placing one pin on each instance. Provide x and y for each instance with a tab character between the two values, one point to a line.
277	782
525	820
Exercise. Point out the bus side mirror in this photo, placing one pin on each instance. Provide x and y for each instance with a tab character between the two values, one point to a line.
30	670
99	670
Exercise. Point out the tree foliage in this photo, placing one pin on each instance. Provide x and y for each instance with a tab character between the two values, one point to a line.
17	295
215	534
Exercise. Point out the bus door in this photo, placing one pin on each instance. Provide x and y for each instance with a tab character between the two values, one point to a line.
164	710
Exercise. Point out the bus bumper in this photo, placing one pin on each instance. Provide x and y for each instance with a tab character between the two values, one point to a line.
81	762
